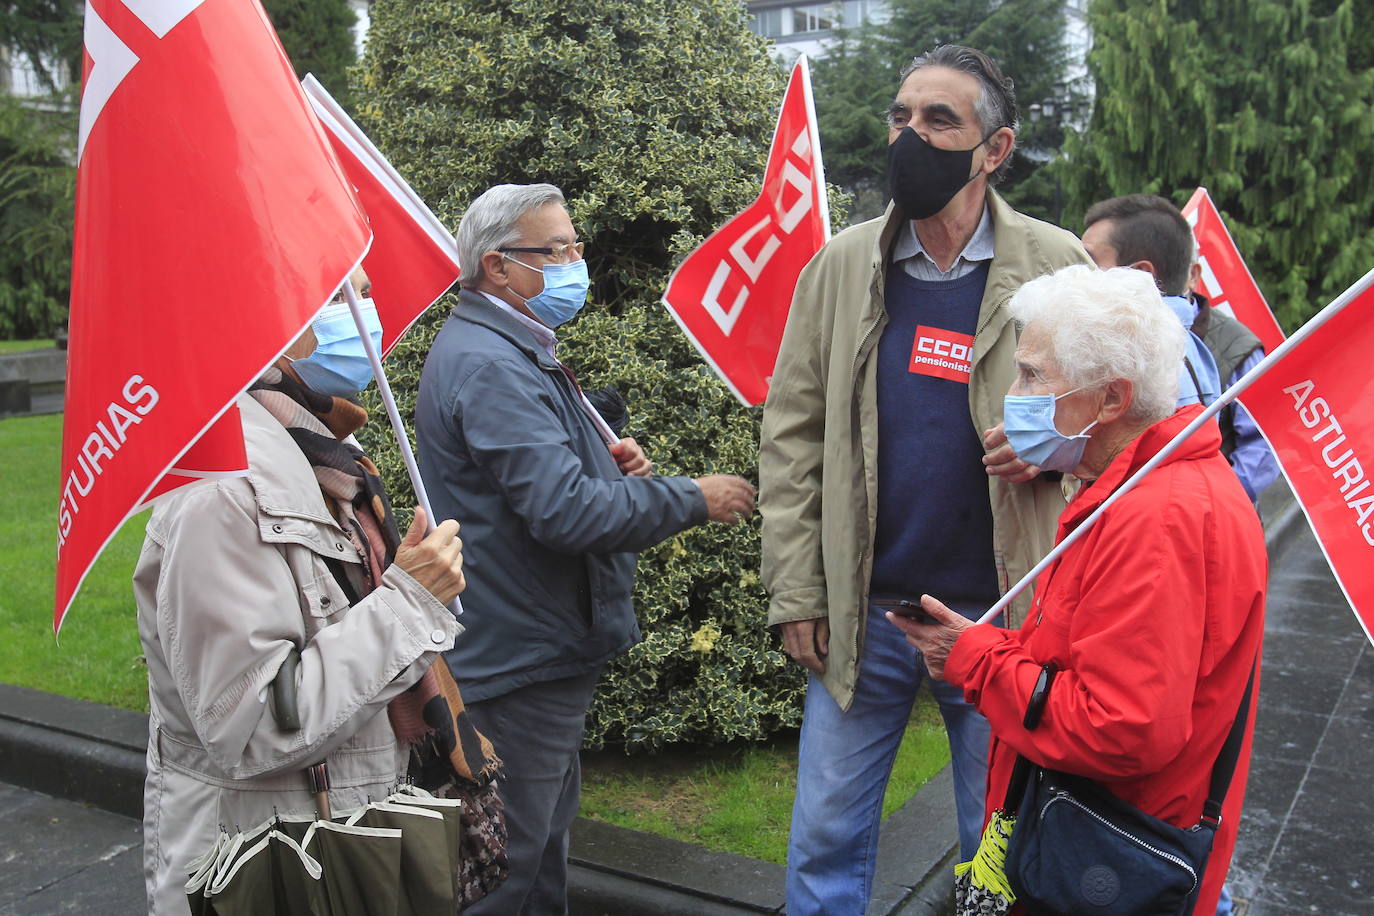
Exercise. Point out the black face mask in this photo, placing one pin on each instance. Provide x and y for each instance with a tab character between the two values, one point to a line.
923	179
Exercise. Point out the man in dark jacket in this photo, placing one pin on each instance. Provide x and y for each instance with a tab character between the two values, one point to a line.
554	507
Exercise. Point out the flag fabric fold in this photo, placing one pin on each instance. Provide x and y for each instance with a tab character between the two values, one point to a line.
413	259
212	223
732	294
1226	280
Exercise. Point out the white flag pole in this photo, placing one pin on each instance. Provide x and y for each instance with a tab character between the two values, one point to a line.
813	128
394	415
1211	411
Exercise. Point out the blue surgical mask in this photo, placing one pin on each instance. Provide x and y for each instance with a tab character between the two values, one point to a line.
339	365
1028	421
564	293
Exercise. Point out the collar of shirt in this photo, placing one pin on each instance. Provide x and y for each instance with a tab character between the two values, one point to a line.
543	334
911	254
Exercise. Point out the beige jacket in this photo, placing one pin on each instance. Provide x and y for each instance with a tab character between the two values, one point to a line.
818	456
232	579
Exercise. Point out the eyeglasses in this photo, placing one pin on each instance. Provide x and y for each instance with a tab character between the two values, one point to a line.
561	254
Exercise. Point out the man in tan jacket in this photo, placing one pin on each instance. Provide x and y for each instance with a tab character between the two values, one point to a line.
883	471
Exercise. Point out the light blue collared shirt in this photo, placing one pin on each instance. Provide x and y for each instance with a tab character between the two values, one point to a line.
912	255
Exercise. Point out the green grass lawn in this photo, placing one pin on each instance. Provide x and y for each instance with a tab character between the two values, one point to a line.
732	798
737	798
99	657
19	346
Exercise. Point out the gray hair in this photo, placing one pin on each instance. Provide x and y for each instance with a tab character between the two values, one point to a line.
1109	324
996	102
490	222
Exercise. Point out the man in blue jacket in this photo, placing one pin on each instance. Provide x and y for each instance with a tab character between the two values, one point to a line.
553	507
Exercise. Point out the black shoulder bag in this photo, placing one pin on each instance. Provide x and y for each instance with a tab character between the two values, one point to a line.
1078	849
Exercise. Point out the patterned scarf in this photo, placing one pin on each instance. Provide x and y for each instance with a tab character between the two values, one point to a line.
429	716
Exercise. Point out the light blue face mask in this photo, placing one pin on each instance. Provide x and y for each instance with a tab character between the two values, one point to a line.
564	293
1028	420
339	365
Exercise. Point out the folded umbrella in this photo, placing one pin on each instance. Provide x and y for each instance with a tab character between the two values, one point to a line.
451	810
361	868
427	858
273	876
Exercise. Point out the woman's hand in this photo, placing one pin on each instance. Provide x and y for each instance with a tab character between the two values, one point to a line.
936	637
434	560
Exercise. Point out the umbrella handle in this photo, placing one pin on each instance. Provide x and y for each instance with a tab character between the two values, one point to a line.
318	774
284	705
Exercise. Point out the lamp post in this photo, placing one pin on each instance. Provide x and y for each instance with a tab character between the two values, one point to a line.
1061	109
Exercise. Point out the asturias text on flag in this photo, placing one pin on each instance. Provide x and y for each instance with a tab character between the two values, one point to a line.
100	446
1346	467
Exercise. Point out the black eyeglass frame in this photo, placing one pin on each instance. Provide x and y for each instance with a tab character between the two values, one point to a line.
578	247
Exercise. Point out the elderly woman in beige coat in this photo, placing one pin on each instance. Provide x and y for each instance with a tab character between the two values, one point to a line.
299	559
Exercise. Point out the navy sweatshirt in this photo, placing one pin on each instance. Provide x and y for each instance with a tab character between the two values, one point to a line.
934	518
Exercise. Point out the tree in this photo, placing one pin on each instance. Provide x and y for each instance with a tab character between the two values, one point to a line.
37	178
318	37
37	184
1256	100
654	118
46	35
857	78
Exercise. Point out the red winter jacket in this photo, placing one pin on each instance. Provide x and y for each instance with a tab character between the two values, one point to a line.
1153	618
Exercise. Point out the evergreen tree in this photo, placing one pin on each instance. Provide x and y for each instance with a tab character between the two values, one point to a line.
1255	100
654	117
37	179
318	37
857	78
46	35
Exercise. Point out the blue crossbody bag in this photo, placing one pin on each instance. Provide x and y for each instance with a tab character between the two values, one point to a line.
1078	850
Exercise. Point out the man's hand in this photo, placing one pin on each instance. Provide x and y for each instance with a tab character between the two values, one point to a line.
434	560
1001	461
728	498
630	458
935	640
807	641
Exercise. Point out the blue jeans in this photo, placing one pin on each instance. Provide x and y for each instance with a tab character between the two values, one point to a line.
844	763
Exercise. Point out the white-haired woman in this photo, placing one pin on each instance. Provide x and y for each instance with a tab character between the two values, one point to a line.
1153	618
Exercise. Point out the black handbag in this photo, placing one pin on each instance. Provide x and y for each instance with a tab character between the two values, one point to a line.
1078	849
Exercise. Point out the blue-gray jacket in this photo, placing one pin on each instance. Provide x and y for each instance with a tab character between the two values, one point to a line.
550	526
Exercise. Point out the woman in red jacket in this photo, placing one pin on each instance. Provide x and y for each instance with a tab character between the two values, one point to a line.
1154	617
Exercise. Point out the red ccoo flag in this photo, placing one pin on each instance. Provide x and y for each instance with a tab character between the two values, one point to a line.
732	294
212	223
413	259
1226	281
1316	408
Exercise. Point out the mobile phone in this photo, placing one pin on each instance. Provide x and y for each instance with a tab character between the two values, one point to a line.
912	610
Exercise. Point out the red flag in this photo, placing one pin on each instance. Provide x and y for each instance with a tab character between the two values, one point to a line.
1315	405
732	294
212	223
1226	281
413	259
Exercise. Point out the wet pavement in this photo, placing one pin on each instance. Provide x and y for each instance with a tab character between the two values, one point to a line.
59	856
1306	839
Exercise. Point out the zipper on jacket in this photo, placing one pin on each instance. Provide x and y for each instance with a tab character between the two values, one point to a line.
858	356
978	332
1063	796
